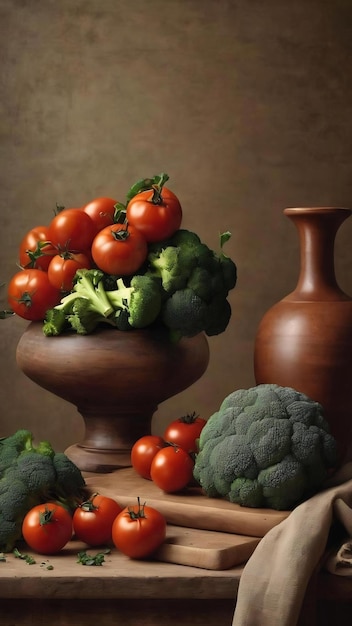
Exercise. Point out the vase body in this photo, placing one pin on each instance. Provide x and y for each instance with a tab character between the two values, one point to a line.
305	340
115	379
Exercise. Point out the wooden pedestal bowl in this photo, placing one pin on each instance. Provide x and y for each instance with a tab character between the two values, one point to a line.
115	379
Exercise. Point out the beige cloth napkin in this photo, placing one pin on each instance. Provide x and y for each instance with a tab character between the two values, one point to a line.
275	579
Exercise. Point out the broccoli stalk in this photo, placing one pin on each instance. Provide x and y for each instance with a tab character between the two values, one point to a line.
89	284
141	301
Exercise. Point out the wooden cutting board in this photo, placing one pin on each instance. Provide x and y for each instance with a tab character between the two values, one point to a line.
190	508
205	548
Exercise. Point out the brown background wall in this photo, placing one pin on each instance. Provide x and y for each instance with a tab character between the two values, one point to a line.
247	106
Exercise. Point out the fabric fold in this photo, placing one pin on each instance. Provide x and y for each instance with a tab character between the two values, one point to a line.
275	578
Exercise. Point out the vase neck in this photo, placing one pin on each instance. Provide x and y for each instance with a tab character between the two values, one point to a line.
317	228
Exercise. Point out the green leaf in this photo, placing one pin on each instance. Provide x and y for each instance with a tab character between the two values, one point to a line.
224	238
92	559
25	557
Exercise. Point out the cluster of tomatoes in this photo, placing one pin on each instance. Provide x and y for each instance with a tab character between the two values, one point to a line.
169	460
104	233
136	531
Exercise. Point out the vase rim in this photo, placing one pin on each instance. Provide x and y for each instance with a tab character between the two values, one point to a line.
316	209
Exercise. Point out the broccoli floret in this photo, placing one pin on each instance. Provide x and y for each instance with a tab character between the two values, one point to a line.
246	492
68	477
271	445
33	475
12	446
36	471
10	532
56	319
142	299
184	237
218	316
172	267
176	259
84	317
270	440
184	313
12	499
283	484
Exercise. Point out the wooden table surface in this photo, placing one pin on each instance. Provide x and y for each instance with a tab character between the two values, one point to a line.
140	593
120	591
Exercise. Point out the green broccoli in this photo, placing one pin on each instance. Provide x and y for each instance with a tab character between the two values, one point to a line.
32	475
184	313
82	309
84	317
196	281
265	446
246	492
172	267
142	299
56	319
12	446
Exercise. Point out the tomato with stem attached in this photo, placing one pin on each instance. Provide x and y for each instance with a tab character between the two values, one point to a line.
139	530
172	469
63	267
185	431
119	249
93	519
156	212
36	250
72	229
143	452
30	294
47	528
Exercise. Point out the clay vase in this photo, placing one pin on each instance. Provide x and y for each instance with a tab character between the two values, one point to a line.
115	379
305	340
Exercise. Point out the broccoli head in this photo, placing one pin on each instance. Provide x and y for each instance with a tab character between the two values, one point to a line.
31	475
267	446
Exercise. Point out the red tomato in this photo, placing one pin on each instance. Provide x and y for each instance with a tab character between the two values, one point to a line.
35	250
156	213
101	211
64	266
143	452
172	469
72	229
185	431
30	294
119	249
47	528
138	531
93	520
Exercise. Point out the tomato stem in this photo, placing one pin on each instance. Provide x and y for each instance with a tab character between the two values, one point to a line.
89	505
140	513
157	189
122	234
46	516
189	418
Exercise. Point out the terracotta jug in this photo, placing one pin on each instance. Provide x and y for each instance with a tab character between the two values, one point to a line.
305	340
